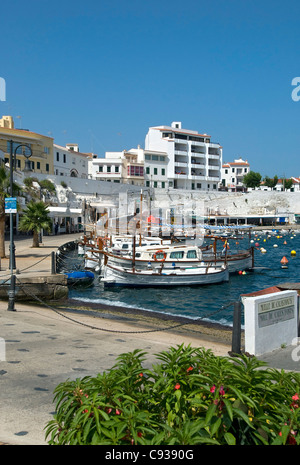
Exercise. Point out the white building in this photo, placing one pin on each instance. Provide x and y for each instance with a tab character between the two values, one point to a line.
194	162
135	166
233	174
68	161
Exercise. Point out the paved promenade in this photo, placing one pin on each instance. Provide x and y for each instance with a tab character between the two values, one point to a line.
41	347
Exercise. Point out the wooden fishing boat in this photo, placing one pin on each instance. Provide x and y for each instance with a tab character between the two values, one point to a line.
178	276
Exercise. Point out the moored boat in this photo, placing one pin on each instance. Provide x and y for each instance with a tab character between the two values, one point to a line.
178	276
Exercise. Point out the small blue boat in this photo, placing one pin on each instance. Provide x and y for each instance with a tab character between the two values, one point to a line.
80	278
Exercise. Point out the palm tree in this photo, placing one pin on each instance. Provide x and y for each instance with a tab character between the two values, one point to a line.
35	218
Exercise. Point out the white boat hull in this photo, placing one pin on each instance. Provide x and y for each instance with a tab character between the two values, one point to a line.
116	276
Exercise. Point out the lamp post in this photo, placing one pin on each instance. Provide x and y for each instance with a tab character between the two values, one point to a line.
12	257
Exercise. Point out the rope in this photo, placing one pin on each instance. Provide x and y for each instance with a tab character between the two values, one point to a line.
111	330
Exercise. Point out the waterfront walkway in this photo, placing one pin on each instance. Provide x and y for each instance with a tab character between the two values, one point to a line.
41	347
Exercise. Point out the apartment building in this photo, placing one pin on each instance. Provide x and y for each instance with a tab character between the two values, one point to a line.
69	161
26	143
193	161
233	174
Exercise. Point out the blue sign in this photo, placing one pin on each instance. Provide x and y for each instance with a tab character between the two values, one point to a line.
11	205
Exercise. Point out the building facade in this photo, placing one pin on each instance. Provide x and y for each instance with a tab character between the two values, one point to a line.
69	161
24	143
194	162
233	174
135	166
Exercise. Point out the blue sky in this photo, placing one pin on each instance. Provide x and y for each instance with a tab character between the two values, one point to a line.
100	73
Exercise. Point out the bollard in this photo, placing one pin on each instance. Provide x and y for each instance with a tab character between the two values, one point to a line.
236	330
53	263
11	294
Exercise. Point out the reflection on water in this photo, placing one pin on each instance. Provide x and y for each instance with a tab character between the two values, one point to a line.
207	301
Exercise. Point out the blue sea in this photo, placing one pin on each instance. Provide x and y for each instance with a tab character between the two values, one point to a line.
213	303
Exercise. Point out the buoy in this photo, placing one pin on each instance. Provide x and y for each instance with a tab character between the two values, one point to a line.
284	242
293	252
240	272
244	272
263	250
257	244
265	240
284	261
275	245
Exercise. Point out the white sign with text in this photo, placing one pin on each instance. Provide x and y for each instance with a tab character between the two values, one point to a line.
271	321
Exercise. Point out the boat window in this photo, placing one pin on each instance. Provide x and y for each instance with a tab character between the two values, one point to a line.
178	254
125	246
191	254
160	256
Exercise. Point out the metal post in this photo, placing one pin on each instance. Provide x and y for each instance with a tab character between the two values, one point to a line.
236	330
12	261
53	263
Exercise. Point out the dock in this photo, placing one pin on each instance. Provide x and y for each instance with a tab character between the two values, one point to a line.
34	270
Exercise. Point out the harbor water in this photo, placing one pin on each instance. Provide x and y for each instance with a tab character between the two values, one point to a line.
213	303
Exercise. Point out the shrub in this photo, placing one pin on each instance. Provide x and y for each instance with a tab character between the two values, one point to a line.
189	397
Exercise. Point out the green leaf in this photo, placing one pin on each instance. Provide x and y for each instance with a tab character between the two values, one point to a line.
210	412
230	439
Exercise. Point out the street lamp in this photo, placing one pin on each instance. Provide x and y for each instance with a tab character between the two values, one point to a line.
12	258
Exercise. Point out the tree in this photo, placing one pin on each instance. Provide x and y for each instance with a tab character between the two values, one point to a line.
35	218
271	182
287	183
4	192
252	179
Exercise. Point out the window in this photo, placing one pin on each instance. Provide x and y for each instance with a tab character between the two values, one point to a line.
108	170
32	165
64	158
155	171
147	170
57	156
147	157
179	254
226	171
155	184
135	170
232	170
214	186
191	254
116	169
147	183
163	171
155	157
47	167
162	158
100	169
46	150
163	185
38	165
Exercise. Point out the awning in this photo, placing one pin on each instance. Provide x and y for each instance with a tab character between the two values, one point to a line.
64	212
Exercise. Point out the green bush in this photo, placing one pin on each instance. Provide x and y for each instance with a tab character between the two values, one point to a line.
189	397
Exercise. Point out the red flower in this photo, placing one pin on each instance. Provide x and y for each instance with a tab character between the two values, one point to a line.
189	369
139	434
212	389
118	412
222	392
295	397
177	386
